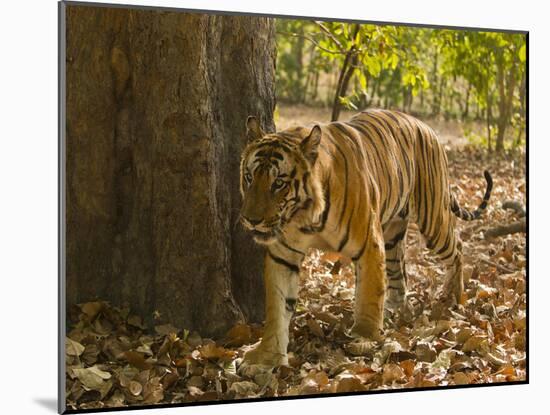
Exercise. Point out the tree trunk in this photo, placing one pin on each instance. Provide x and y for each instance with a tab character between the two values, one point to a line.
435	102
489	120
315	86
350	62
298	50
375	87
407	99
522	92
156	108
488	125
466	111
440	106
310	78
342	86
506	87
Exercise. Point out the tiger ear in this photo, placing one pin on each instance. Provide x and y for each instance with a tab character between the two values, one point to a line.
253	129
310	144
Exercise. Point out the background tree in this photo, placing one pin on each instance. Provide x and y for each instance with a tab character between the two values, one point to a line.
156	106
456	74
493	65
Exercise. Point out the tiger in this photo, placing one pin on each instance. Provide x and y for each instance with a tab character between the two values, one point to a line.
352	188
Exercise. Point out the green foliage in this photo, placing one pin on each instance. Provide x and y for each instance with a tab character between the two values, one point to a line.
290	63
476	139
452	73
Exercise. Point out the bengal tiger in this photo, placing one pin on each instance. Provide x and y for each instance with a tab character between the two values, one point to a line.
350	187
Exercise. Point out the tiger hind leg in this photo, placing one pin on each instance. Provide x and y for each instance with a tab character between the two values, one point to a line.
444	243
394	244
433	215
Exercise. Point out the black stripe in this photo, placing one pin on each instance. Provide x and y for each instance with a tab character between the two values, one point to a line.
281	261
467	215
401	142
398	158
382	160
346	235
372	160
324	216
269	153
407	121
359	143
454	205
489	180
439	159
405	211
335	144
290	304
306	205
346	133
391	244
296	200
305	182
446	245
428	181
290	248
273	145
393	273
288	136
360	253
453	252
423	187
288	139
327	208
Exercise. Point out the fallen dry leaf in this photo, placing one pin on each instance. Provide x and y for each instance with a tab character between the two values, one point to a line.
114	361
92	377
73	348
347	382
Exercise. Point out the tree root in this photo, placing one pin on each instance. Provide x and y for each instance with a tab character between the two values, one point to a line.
515	227
515	206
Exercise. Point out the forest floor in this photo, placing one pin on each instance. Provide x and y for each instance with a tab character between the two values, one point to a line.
112	361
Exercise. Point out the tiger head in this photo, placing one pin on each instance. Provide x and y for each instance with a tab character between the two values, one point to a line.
277	180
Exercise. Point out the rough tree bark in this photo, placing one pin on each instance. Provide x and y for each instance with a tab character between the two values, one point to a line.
156	107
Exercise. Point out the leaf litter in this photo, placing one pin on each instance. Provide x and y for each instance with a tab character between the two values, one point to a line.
113	361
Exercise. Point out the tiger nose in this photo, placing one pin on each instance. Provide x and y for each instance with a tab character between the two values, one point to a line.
253	222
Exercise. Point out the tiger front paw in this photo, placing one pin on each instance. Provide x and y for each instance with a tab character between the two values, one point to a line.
368	329
262	357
